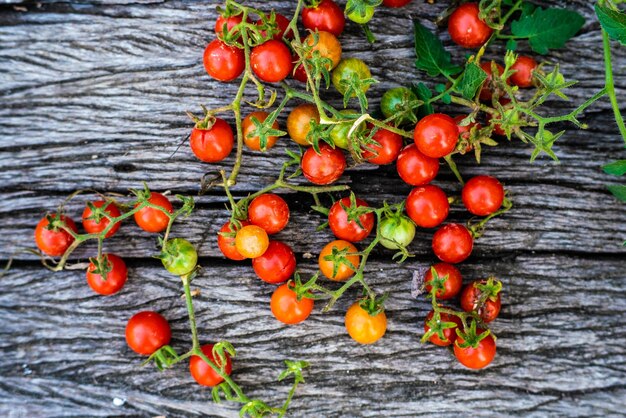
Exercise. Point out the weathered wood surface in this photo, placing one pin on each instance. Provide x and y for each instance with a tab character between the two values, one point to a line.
93	97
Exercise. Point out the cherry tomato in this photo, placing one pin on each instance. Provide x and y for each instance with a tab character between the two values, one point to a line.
363	16
523	76
427	206
486	92
287	308
476	358
363	327
349	230
470	300
251	241
146	332
299	122
396	3
203	373
271	61
281	23
227	243
416	168
339	271
327	45
115	278
453	282
436	135
387	150
466	28
254	142
497	128
465	130
396	232
54	242
179	256
154	220
327	16
214	144
483	195
270	212
230	22
93	227
339	132
452	243
348	69
276	265
396	100
448	333
223	62
325	167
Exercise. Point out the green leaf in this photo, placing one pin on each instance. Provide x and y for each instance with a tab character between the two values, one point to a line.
472	80
618	191
424	94
613	22
431	55
616	168
548	28
511	45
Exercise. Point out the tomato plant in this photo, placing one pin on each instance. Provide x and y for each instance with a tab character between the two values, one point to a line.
203	373
352	77
114	278
276	265
287	308
147	331
348	222
270	212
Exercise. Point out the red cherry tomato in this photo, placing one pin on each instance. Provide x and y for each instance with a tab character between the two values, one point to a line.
154	220
416	168
327	16
427	206
93	227
470	300
271	61
523	76
223	62
229	22
479	357
452	243
396	3
115	278
147	331
483	195
203	373
51	242
349	230
387	150
486	92
227	243
277	263
436	135
214	144
282	24
452	285
325	167
448	333
287	308
466	28
270	212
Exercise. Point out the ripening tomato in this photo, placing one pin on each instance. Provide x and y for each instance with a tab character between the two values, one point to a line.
179	256
396	3
276	265
203	373
343	267
476	357
349	230
254	142
427	206
470	300
213	144
115	278
387	150
54	242
363	327
398	99
483	195
339	132
251	241
325	167
452	243
363	15
523	67
327	45
396	231
147	331
230	22
271	61
466	28
227	243
327	16
416	168
436	135
287	308
93	227
281	24
223	62
347	70
486	92
154	220
448	333
270	212
299	122
452	284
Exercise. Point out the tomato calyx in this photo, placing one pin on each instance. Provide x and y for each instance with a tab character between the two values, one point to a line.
361	11
352	78
163	358
396	230
437	284
373	305
477	229
102	266
356	211
265	130
339	257
471	337
489	290
437	327
178	256
56	222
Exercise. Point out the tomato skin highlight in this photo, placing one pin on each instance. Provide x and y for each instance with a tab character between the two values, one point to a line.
452	285
427	206
436	135
324	168
482	195
251	241
476	358
54	243
154	220
115	279
270	212
223	62
93	227
466	28
214	144
449	333
349	230
452	243
344	271
254	142
470	297
524	67
271	61
363	327
388	148
227	244
287	308
299	122
327	16
147	331
276	265
203	373
416	168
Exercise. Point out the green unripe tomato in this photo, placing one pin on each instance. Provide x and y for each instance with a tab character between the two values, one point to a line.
362	18
396	231
397	99
339	133
346	70
179	256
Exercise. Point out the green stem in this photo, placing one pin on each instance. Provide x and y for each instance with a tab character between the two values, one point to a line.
610	84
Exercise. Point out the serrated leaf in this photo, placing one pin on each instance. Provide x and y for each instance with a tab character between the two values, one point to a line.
616	168
618	191
548	28
424	94
472	80
613	22
431	55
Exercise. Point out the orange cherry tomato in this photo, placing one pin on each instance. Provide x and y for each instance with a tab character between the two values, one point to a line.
344	271
299	122
328	46
363	327
251	241
287	308
254	142
227	244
